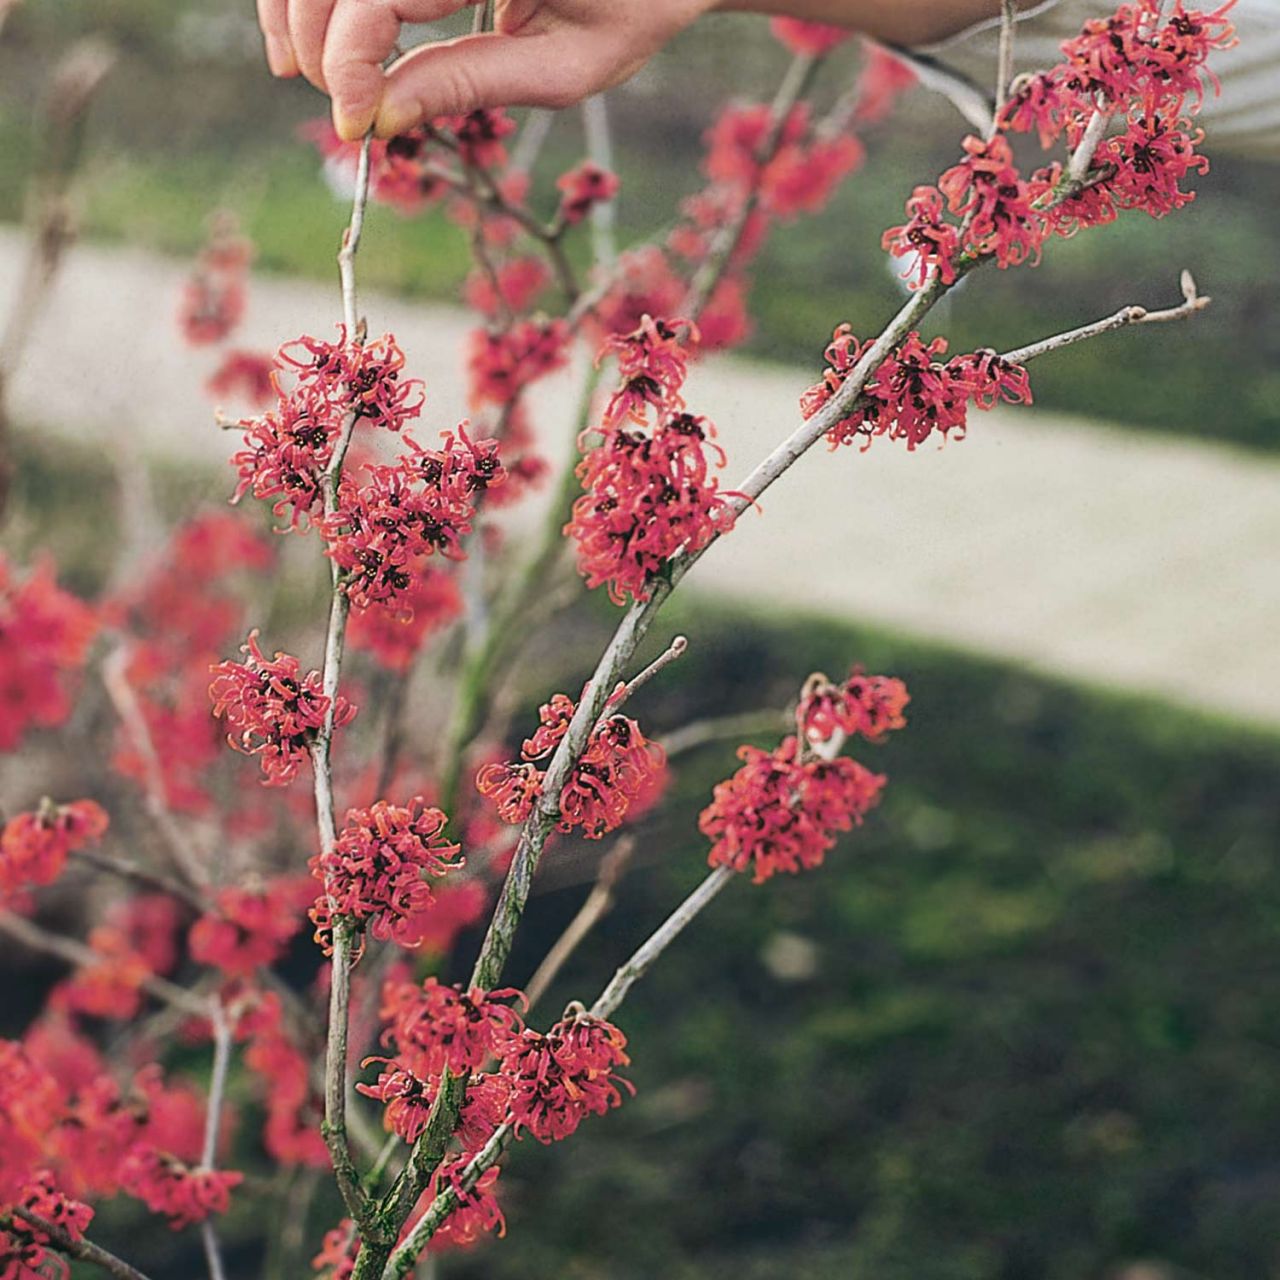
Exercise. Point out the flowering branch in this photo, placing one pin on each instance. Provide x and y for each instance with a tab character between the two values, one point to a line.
336	1054
80	1250
607	1002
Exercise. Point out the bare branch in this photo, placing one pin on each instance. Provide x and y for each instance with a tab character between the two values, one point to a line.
597	905
212	1127
674	650
1193	303
1004	59
79	956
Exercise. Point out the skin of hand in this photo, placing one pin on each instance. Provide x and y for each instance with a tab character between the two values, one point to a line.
541	53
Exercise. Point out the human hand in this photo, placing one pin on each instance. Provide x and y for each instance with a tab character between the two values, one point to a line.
541	53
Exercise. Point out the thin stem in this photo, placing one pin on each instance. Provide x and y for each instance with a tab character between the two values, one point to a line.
593	910
1004	59
671	928
80	1250
138	874
1193	302
336	1053
115	679
606	1003
79	956
1082	156
717	728
212	1127
604	213
676	649
795	83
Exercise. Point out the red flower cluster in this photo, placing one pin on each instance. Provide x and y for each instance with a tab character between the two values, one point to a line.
24	1252
252	926
394	631
287	449
1138	65
167	1185
214	298
273	710
912	394
560	1077
425	503
376	873
616	771
243	375
503	364
433	1028
652	365
868	706
520	280
646	496
582	188
45	634
34	846
779	812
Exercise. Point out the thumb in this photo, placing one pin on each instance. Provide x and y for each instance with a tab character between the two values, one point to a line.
549	68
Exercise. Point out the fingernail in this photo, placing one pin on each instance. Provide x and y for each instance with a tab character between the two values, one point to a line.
394	118
280	58
350	128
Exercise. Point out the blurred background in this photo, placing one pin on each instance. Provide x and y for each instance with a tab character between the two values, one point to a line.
1024	1023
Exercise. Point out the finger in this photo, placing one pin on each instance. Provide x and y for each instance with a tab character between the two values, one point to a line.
274	21
548	69
308	22
361	37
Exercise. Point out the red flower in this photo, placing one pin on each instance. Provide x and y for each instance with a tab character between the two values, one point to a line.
643	284
353	377
433	1028
911	394
285	455
394	631
560	1078
652	363
477	1212
520	281
252	926
646	496
986	190
883	79
45	634
867	705
423	504
1042	102
34	846
273	710
243	375
479	135
778	813
376	873
811	38
618	768
926	240
582	188
1151	158
110	985
501	365
24	1252
166	1185
803	178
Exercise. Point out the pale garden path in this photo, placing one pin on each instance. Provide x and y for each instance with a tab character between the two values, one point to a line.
1124	559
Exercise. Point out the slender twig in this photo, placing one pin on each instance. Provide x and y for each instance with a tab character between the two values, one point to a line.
138	874
604	213
1193	302
677	648
1082	156
700	733
799	76
115	679
213	1127
80	1250
80	956
606	1004
595	908
1004	58
335	1079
